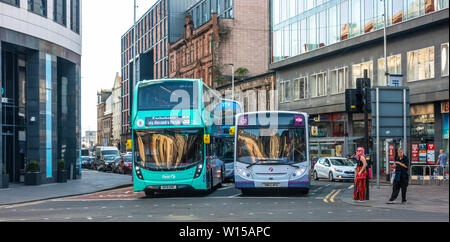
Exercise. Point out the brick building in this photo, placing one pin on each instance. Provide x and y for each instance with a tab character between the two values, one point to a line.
192	55
221	35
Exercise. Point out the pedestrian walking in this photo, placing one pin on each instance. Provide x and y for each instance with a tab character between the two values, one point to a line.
360	193
442	162
401	178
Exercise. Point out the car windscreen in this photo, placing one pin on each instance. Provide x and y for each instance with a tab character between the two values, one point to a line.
128	158
341	162
110	152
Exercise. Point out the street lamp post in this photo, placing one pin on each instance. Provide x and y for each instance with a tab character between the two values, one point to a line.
232	79
385	44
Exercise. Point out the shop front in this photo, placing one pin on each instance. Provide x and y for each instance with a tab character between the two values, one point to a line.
330	136
423	140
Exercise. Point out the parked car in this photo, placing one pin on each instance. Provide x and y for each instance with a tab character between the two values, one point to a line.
126	164
334	168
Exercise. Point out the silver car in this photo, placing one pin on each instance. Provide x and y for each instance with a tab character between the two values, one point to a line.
334	168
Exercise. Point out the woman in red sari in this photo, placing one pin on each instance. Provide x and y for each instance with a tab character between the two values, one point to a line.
360	176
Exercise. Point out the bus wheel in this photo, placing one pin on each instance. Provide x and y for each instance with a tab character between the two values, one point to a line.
149	194
245	192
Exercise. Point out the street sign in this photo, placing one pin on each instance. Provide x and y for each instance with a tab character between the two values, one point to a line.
395	80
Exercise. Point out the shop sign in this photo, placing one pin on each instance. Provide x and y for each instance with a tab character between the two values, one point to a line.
444	107
415	153
326	117
423	153
5	100
338	117
430	154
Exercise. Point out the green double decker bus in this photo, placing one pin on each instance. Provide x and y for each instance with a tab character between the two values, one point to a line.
174	127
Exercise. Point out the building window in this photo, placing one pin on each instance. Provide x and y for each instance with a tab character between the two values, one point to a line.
59	11
368	15
421	64
444	59
355	22
75	15
38	7
397	11
358	72
394	67
344	20
333	29
338	79
317	23
284	91
312	34
300	88
12	2
317	82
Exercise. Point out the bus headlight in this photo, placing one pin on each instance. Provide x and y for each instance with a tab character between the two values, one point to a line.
299	172
244	173
139	172
198	171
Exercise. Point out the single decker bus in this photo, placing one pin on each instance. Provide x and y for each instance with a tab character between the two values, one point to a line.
272	151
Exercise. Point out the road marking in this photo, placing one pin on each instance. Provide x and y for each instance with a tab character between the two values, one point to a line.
328	196
223	188
332	197
350	187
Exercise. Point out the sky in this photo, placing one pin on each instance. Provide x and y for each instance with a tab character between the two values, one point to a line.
103	24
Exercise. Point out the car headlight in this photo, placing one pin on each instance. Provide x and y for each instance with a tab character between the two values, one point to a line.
299	172
337	170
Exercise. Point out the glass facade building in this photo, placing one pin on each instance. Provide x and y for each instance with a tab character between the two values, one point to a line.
201	11
320	48
40	78
300	26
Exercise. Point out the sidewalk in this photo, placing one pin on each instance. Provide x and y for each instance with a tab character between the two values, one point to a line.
91	181
420	198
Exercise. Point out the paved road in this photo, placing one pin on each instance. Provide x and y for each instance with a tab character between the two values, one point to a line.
226	204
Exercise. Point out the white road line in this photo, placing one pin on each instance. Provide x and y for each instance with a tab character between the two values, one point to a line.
223	188
350	187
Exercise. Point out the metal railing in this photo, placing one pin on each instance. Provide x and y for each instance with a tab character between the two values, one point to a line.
429	175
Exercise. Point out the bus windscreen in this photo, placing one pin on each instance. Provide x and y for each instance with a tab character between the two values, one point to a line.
281	145
168	149
173	95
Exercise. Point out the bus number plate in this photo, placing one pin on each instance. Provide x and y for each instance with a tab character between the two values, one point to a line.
169	187
271	184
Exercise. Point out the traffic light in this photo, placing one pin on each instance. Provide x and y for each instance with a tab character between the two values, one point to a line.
352	101
357	99
363	86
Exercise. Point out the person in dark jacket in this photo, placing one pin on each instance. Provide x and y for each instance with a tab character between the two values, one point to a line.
401	179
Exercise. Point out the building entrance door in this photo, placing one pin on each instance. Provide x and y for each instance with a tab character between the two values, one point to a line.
13	113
